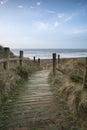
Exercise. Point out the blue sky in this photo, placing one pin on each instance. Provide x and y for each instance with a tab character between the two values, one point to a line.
43	23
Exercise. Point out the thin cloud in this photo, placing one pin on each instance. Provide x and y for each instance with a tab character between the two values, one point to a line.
42	25
76	31
51	11
3	1
20	6
56	24
31	7
60	15
47	26
38	3
68	19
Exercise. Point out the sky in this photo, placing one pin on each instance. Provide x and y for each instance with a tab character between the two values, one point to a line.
43	23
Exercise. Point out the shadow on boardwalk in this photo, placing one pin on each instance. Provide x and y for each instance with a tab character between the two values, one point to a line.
36	108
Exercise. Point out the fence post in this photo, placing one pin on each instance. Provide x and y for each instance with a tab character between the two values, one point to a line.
58	58
39	61
85	76
54	63
6	56
34	59
21	58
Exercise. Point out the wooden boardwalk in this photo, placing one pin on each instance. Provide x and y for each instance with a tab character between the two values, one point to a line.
35	108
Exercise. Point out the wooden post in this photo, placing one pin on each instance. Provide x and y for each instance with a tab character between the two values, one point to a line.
39	61
21	58
85	76
34	59
58	58
54	63
6	56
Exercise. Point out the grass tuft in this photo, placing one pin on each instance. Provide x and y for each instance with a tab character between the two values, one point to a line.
23	72
76	78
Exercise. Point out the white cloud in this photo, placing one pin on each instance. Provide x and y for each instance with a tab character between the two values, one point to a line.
60	15
38	3
47	26
68	19
3	1
20	6
56	24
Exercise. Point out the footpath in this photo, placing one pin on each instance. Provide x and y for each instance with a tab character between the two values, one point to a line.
36	108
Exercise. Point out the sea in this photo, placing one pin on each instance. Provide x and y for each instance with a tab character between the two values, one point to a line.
47	53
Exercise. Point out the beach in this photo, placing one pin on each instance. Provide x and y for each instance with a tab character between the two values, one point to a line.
47	53
67	83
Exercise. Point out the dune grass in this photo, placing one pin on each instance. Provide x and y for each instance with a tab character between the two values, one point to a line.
16	74
69	87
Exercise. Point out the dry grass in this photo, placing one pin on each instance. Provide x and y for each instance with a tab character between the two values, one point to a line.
72	90
9	78
46	64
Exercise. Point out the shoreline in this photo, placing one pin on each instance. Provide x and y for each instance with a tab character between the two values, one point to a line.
47	53
42	59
